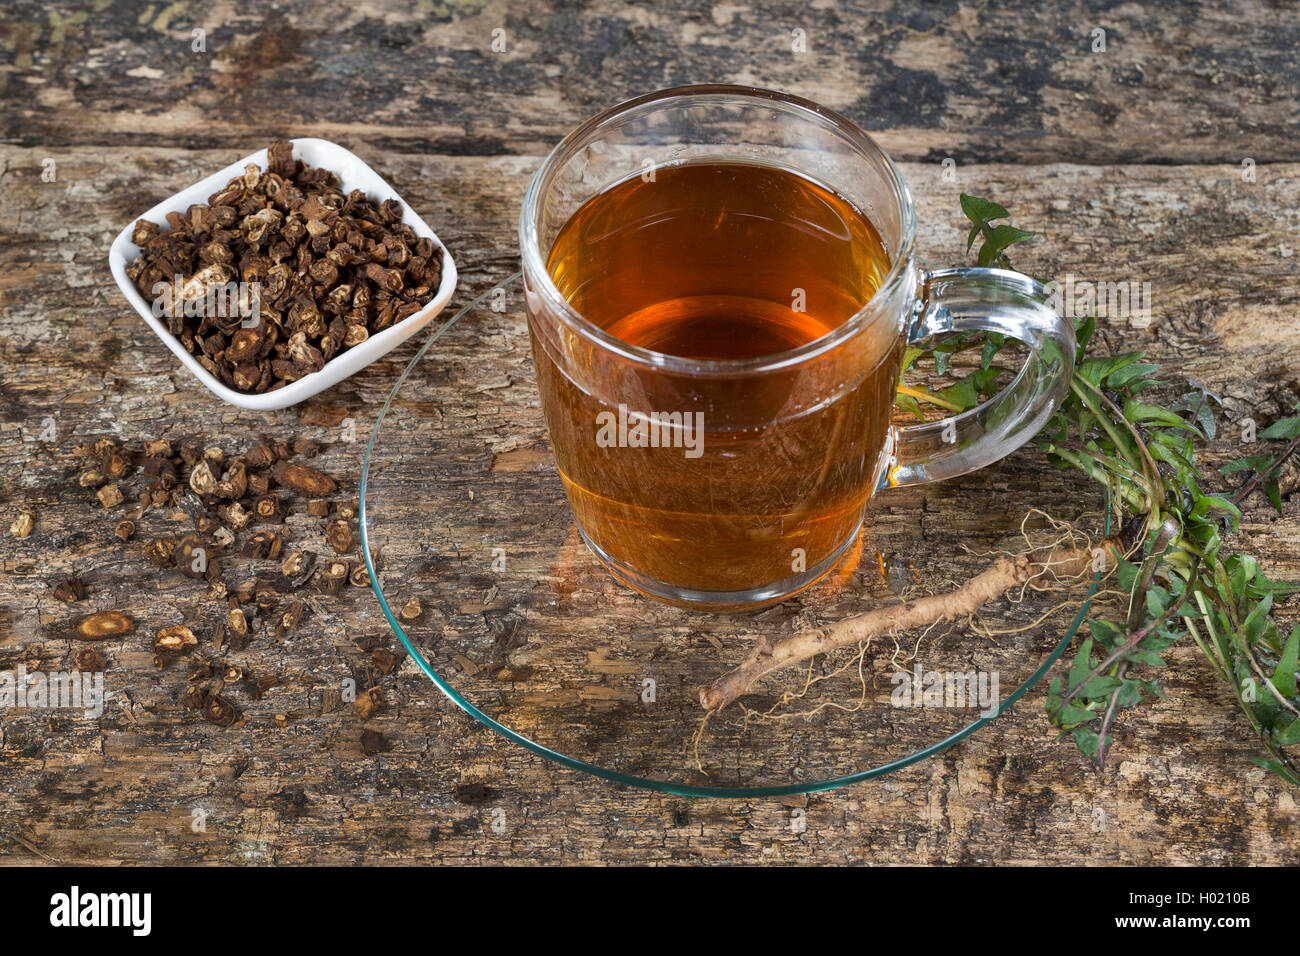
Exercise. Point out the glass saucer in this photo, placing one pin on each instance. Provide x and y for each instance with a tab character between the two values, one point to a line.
481	572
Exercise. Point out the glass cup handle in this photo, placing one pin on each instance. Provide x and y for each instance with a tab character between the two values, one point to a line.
990	300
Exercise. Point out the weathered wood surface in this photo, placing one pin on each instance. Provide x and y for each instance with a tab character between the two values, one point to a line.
1202	82
427	104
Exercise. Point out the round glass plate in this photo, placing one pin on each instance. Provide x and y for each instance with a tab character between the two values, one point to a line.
483	576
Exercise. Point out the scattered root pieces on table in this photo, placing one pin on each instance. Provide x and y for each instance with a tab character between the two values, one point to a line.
70	589
262	525
101	626
281	271
369	702
22	525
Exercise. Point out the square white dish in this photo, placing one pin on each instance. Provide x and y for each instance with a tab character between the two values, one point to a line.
353	174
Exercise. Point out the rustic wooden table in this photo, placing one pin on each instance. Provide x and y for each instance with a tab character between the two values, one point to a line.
1127	162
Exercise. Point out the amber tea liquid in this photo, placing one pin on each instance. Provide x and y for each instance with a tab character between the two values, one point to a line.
718	262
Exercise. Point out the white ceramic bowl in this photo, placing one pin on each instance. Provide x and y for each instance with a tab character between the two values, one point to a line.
354	174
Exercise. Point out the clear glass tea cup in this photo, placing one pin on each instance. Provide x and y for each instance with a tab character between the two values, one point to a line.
764	466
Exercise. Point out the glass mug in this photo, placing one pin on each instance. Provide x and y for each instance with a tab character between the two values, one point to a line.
724	482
